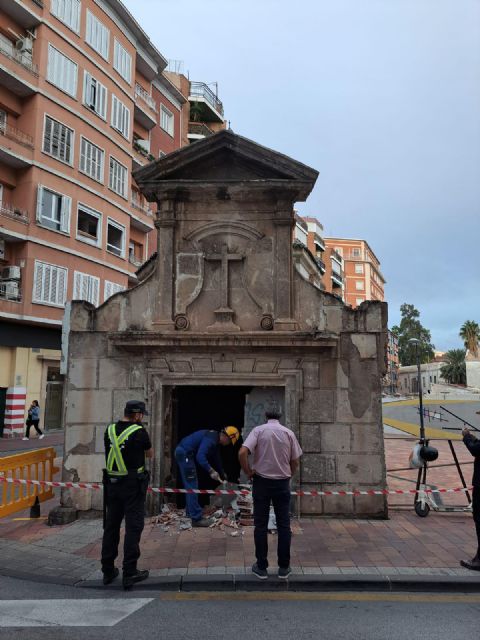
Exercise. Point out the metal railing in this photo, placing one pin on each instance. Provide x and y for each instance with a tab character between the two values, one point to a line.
337	278
146	97
199	129
10	211
202	90
135	261
10	291
142	207
21	59
33	465
321	264
16	134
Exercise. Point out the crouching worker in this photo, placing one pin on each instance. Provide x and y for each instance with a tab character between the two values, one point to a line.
202	448
127	444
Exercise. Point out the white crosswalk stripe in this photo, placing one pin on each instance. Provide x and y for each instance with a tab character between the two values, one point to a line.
101	612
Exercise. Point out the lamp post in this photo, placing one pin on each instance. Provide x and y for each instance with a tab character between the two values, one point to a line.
417	343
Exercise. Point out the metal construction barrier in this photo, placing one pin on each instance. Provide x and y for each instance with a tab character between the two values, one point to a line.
24	477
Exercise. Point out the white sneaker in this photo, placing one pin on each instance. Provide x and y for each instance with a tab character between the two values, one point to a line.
42	436
25	438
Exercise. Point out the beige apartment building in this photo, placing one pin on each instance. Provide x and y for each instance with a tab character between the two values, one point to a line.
83	101
362	278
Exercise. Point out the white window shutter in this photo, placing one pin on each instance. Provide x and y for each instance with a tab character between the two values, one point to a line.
95	290
39	202
61	286
101	98
65	219
87	88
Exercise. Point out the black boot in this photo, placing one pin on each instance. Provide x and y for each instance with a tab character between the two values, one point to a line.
129	579
109	576
473	564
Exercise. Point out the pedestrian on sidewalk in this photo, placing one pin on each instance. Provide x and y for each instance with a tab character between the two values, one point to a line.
276	454
125	479
202	448
33	419
473	445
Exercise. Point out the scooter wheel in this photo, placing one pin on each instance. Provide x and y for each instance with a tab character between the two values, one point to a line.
422	511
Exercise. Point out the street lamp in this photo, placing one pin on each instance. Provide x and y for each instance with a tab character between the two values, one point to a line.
417	343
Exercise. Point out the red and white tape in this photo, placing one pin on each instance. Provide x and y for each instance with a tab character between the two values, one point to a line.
235	492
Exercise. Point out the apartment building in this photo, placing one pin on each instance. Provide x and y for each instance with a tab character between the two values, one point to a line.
390	381
362	278
83	101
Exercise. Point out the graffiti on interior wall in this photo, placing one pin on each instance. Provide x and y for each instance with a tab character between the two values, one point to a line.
256	403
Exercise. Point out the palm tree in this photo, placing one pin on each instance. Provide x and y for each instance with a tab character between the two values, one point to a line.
470	334
454	370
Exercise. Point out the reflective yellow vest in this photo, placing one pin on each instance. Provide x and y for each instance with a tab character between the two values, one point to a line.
115	454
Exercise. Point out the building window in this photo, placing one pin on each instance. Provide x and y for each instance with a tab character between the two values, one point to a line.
68	11
339	250
166	120
115	238
359	268
95	95
61	71
356	252
111	288
49	284
120	117
89	225
359	285
86	287
97	35
122	61
118	177
135	253
3	120
434	379
53	210
359	301
91	159
58	140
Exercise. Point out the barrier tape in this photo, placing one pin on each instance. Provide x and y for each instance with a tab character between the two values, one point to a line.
237	492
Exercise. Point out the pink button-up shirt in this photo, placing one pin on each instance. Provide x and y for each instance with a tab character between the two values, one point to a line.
273	446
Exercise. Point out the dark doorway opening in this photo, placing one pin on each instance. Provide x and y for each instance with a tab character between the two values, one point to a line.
209	407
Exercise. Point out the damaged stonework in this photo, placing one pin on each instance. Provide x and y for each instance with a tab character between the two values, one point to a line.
221	304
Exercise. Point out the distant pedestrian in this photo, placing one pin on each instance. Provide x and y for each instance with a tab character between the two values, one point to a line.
276	454
473	445
202	448
33	419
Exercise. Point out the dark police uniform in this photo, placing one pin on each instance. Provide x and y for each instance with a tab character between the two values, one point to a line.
473	445
127	482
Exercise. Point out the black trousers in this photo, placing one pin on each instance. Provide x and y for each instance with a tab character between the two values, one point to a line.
125	498
276	492
33	423
476	514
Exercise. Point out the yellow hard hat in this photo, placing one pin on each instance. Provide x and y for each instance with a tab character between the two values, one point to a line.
233	433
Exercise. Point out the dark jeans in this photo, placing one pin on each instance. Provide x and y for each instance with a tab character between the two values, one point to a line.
277	492
125	498
33	423
188	471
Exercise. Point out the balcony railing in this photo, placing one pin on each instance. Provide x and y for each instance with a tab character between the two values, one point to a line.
202	90
10	291
142	207
337	278
321	264
15	134
10	211
146	97
18	57
199	129
135	261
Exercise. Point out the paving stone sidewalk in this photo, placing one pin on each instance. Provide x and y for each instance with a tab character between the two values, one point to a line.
404	545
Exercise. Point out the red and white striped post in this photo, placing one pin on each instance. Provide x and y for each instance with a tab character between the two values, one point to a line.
15	411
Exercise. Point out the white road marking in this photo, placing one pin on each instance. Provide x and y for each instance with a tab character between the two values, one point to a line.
68	613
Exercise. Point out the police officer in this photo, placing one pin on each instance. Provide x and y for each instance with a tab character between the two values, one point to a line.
127	444
473	445
202	448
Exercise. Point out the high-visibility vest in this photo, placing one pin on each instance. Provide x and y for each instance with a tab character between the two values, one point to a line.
115	454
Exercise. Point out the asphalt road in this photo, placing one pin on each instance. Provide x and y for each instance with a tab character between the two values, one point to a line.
32	611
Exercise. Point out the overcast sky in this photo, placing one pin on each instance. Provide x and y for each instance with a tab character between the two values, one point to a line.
383	98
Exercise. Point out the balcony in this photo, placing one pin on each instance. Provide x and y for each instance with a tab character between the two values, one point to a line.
10	290
204	103
145	112
24	16
321	265
337	279
198	131
15	147
18	73
141	156
8	210
135	261
145	209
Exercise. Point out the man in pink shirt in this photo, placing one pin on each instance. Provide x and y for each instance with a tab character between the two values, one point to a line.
276	454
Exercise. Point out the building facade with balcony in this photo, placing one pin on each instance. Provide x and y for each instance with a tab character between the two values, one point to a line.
390	380
362	277
83	100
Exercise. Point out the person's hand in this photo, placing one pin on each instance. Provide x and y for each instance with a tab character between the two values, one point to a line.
251	473
466	432
215	476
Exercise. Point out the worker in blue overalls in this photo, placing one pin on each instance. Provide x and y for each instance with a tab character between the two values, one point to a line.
202	448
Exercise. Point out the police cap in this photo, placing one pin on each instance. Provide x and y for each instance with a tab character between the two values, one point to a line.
135	406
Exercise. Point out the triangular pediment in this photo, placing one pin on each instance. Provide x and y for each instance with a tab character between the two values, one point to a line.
225	156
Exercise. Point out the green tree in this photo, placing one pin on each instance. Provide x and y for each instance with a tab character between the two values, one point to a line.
470	334
411	327
454	371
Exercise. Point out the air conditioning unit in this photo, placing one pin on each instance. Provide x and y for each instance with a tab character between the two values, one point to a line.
9	290
24	45
11	273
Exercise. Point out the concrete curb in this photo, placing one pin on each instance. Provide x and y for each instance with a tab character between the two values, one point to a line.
301	583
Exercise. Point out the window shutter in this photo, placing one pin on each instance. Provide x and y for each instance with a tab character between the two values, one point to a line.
108	289
65	214
61	285
39	202
77	286
95	287
38	283
101	100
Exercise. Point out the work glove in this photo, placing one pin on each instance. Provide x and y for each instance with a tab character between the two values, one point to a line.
215	476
